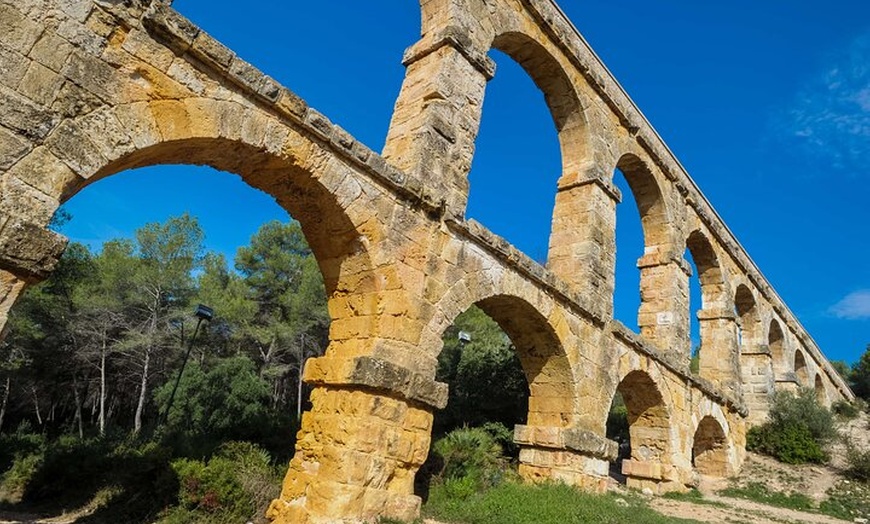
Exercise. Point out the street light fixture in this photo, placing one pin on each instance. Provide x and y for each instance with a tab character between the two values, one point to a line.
202	312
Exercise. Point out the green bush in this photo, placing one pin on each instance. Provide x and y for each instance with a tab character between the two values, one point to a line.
797	430
858	464
789	443
466	452
846	409
235	485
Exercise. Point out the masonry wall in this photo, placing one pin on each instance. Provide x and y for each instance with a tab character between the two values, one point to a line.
89	89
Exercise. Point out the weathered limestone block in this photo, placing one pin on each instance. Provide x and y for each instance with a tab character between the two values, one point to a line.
583	241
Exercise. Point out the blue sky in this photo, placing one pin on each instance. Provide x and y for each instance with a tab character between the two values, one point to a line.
767	104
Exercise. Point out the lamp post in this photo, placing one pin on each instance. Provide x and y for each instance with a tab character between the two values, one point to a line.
201	313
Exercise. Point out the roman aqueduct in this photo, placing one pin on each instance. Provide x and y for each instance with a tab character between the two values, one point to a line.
89	88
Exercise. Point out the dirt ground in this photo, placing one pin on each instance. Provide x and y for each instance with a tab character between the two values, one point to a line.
812	481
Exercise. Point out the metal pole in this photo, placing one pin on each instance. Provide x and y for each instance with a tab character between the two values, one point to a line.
183	364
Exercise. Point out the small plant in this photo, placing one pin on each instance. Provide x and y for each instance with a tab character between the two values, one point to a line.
845	409
758	492
468	452
234	485
858	463
848	501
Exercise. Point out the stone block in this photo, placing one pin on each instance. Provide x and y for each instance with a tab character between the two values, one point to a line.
71	144
19	32
210	50
44	171
13	66
22	115
51	51
12	148
92	74
40	84
27	249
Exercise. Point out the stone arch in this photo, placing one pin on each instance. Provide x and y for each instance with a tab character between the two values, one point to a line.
749	320
542	357
648	417
718	356
648	196
521	314
710	448
710	274
776	344
559	95
311	185
821	392
801	371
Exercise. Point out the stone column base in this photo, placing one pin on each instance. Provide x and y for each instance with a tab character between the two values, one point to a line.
569	467
571	455
658	478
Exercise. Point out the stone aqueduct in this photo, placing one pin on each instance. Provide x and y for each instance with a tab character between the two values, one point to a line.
94	87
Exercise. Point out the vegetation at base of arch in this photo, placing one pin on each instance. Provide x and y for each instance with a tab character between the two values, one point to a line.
515	503
797	430
486	381
92	354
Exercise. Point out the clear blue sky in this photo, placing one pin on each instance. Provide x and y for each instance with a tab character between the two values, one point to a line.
767	104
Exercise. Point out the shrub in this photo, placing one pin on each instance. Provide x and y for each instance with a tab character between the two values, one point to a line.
234	485
845	409
789	443
467	450
471	456
797	429
858	463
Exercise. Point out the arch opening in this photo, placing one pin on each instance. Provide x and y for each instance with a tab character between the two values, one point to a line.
747	313
711	317
821	393
639	422
800	369
776	343
513	119
710	449
629	249
330	233
247	359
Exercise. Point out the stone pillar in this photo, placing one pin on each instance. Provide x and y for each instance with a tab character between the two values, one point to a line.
28	254
663	317
571	455
360	445
719	354
756	369
437	116
582	248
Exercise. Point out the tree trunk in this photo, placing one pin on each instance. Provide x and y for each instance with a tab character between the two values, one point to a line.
36	406
143	390
143	393
5	401
78	399
102	417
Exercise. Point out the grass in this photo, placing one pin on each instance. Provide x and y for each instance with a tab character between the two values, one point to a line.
512	503
758	492
847	500
694	496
